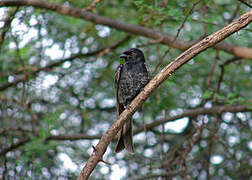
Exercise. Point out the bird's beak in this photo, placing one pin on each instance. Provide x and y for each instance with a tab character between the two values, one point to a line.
123	56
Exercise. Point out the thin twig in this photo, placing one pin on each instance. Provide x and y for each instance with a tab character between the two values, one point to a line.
7	24
24	106
7	129
166	174
211	143
207	42
189	113
222	67
92	6
246	3
212	69
236	11
35	70
177	34
14	146
121	26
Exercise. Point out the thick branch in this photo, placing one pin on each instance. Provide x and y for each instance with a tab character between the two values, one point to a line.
207	42
196	112
238	51
188	113
75	137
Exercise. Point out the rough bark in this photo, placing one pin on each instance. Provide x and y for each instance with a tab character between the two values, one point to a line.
207	42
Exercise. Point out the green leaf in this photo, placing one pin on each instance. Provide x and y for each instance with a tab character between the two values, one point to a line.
231	95
177	14
207	95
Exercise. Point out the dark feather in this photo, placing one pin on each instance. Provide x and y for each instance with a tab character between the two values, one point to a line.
130	79
117	79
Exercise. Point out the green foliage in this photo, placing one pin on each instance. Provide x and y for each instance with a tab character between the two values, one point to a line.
77	97
207	95
38	145
155	13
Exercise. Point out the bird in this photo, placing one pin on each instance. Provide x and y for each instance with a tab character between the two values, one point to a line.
130	78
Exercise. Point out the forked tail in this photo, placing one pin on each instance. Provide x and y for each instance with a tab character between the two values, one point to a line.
125	139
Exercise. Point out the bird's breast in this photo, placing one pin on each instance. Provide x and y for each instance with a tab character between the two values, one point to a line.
132	80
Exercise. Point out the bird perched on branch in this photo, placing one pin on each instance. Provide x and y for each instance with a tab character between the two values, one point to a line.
130	79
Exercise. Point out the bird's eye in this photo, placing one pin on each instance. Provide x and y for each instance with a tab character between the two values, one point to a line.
132	53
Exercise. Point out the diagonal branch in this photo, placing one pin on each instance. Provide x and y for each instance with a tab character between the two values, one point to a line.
36	70
7	25
167	39
94	3
17	144
222	67
246	3
207	42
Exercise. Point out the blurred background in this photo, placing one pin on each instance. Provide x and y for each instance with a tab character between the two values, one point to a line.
57	93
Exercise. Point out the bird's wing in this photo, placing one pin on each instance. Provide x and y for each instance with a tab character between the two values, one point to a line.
119	106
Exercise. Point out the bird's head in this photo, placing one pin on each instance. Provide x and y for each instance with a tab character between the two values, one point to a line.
133	55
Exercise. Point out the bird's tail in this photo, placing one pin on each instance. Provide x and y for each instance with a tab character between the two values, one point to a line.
125	140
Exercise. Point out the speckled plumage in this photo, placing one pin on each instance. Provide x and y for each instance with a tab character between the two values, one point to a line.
133	78
130	79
